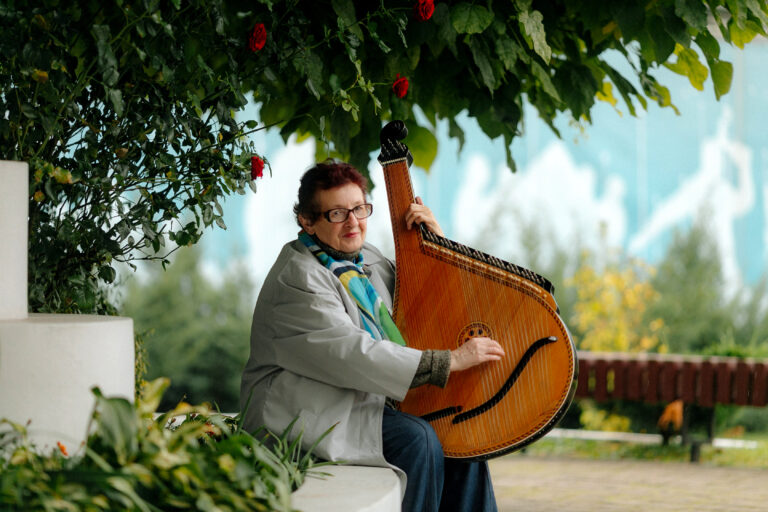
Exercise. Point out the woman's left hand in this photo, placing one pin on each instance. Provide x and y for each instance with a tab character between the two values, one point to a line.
420	214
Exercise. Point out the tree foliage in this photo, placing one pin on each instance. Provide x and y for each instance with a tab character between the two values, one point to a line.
126	110
699	315
125	115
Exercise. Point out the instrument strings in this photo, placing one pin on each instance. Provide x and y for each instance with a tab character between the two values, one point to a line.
467	297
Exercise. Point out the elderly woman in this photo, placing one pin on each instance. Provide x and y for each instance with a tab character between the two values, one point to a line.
324	349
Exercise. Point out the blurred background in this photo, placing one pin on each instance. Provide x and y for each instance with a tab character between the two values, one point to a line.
653	228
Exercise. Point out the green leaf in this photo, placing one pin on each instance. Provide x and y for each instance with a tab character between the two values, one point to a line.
445	31
313	67
722	75
122	485
606	94
116	98
455	131
675	27
742	35
107	273
546	82
708	44
533	27
508	51
470	18
277	110
630	16
577	87
663	43
372	29
345	10
480	57
117	425
688	65
106	57
423	146
508	153
758	11
693	12
151	394
340	128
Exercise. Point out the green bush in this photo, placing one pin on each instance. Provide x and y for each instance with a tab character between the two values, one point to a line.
137	460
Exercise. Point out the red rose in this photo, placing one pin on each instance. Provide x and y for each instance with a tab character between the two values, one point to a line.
400	86
423	9
258	37
257	167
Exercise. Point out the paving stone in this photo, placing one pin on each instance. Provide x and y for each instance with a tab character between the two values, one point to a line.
525	483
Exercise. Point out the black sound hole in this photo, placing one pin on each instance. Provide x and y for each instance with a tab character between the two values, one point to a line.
471	332
480	332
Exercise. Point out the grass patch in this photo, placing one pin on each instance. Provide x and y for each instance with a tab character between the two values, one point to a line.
615	450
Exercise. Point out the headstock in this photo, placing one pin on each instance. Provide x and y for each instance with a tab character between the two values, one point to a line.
392	149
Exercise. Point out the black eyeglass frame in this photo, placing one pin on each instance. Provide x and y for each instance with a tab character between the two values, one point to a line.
368	212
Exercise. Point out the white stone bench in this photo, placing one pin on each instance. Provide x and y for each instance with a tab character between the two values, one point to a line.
349	488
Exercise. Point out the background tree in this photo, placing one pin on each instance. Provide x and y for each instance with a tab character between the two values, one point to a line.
195	332
699	312
611	312
125	111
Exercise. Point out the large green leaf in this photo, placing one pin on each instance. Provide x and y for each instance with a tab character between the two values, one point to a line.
117	425
708	44
533	27
693	12
508	51
741	35
313	67
546	82
481	59
722	75
688	64
423	146
470	18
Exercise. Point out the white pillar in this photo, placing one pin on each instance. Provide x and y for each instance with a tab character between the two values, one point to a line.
48	363
14	210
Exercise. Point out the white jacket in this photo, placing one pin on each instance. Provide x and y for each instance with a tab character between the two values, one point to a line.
311	359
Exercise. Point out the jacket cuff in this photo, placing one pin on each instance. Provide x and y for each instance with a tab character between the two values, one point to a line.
434	368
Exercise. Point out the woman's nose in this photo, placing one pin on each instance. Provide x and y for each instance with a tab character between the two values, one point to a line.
352	220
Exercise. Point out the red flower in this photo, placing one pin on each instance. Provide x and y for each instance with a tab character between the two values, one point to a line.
400	86
258	37
62	448
423	9
257	167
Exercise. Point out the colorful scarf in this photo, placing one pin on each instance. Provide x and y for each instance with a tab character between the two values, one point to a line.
374	314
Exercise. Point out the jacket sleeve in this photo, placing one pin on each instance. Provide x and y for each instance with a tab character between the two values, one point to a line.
313	334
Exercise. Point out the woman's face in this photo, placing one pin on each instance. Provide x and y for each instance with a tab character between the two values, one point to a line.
347	236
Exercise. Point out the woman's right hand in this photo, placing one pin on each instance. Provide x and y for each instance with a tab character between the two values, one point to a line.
474	352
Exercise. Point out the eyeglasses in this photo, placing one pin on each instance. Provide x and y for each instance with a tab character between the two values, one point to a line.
337	215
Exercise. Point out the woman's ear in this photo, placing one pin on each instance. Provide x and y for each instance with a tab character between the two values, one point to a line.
307	225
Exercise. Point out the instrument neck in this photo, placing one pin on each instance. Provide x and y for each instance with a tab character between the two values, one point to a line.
400	195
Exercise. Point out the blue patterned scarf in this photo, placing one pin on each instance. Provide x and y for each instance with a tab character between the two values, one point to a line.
374	314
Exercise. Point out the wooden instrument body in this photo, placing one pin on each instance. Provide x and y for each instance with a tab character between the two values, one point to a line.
445	295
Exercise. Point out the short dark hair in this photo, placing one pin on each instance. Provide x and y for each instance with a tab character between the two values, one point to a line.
324	176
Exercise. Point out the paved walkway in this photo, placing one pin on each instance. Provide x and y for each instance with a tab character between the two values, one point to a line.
525	483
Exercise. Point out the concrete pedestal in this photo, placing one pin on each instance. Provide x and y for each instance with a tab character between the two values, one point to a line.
48	365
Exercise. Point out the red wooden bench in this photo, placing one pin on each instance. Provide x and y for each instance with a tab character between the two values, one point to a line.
662	378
